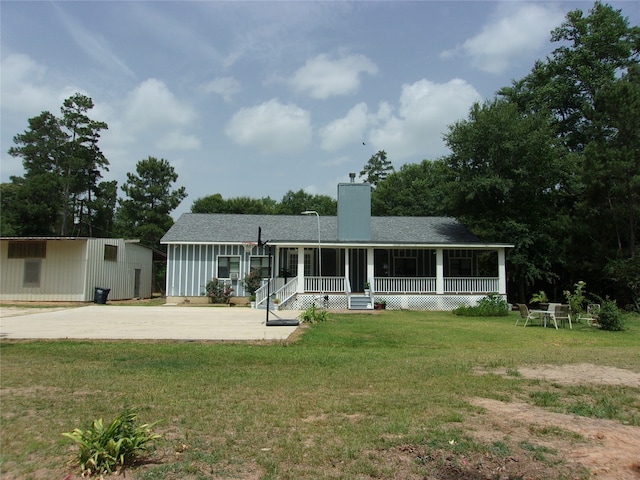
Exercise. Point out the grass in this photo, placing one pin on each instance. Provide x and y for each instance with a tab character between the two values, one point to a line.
320	407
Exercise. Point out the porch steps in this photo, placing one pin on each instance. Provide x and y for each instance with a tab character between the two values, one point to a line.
360	302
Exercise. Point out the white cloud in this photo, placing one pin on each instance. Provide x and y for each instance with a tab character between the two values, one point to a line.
271	127
226	87
152	104
337	161
148	120
323	77
425	111
27	87
346	130
177	140
520	30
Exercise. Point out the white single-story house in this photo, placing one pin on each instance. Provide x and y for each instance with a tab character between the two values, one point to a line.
351	260
71	268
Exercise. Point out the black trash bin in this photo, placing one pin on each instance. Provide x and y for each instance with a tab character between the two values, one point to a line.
100	295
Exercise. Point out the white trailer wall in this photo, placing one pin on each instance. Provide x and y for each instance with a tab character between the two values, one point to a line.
72	268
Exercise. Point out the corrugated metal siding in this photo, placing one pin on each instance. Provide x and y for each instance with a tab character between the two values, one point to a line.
106	274
73	268
61	273
190	267
118	276
139	257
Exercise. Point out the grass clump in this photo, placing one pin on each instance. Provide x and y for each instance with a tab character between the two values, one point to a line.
493	305
313	315
107	449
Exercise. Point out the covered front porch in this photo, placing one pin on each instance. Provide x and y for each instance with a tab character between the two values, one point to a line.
435	278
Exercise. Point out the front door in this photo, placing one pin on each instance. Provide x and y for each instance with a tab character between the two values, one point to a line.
357	268
136	283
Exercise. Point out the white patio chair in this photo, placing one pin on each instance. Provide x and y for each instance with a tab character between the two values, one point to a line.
524	313
561	313
591	315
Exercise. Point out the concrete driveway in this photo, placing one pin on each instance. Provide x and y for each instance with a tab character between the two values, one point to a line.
109	322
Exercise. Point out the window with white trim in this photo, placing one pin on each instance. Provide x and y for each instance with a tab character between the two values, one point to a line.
292	262
229	267
260	262
307	262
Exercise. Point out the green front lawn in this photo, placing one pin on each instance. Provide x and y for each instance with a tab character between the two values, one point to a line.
338	402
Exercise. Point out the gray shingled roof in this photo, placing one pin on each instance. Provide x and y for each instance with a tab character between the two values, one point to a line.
221	228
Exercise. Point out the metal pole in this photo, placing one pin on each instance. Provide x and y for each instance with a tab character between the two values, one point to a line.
313	212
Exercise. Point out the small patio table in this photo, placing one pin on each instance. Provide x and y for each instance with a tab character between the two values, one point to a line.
545	315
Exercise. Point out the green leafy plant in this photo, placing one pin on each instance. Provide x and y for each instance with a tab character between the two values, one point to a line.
218	291
577	298
106	449
610	318
252	281
313	315
540	297
493	305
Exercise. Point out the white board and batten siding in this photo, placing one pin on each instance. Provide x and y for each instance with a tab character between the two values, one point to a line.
73	267
191	266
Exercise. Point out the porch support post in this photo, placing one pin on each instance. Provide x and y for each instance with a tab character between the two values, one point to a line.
347	252
300	269
502	272
439	271
370	265
274	262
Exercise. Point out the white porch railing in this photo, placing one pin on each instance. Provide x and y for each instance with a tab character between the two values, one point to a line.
381	285
275	285
404	285
324	284
428	284
287	290
470	285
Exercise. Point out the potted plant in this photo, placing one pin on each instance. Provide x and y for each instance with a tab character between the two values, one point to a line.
541	299
380	305
367	288
276	303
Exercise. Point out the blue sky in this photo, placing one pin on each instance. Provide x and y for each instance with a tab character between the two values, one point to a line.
258	98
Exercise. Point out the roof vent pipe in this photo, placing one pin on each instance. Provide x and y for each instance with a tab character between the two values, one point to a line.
352	176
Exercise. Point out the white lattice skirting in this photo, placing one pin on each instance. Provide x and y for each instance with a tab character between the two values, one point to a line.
394	302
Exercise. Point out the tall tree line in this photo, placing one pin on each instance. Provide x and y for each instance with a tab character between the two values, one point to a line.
61	192
551	164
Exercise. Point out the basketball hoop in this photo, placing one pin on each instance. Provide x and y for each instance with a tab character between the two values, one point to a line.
249	246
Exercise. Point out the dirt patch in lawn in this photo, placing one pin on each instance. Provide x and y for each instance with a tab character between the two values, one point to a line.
508	440
578	374
607	448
